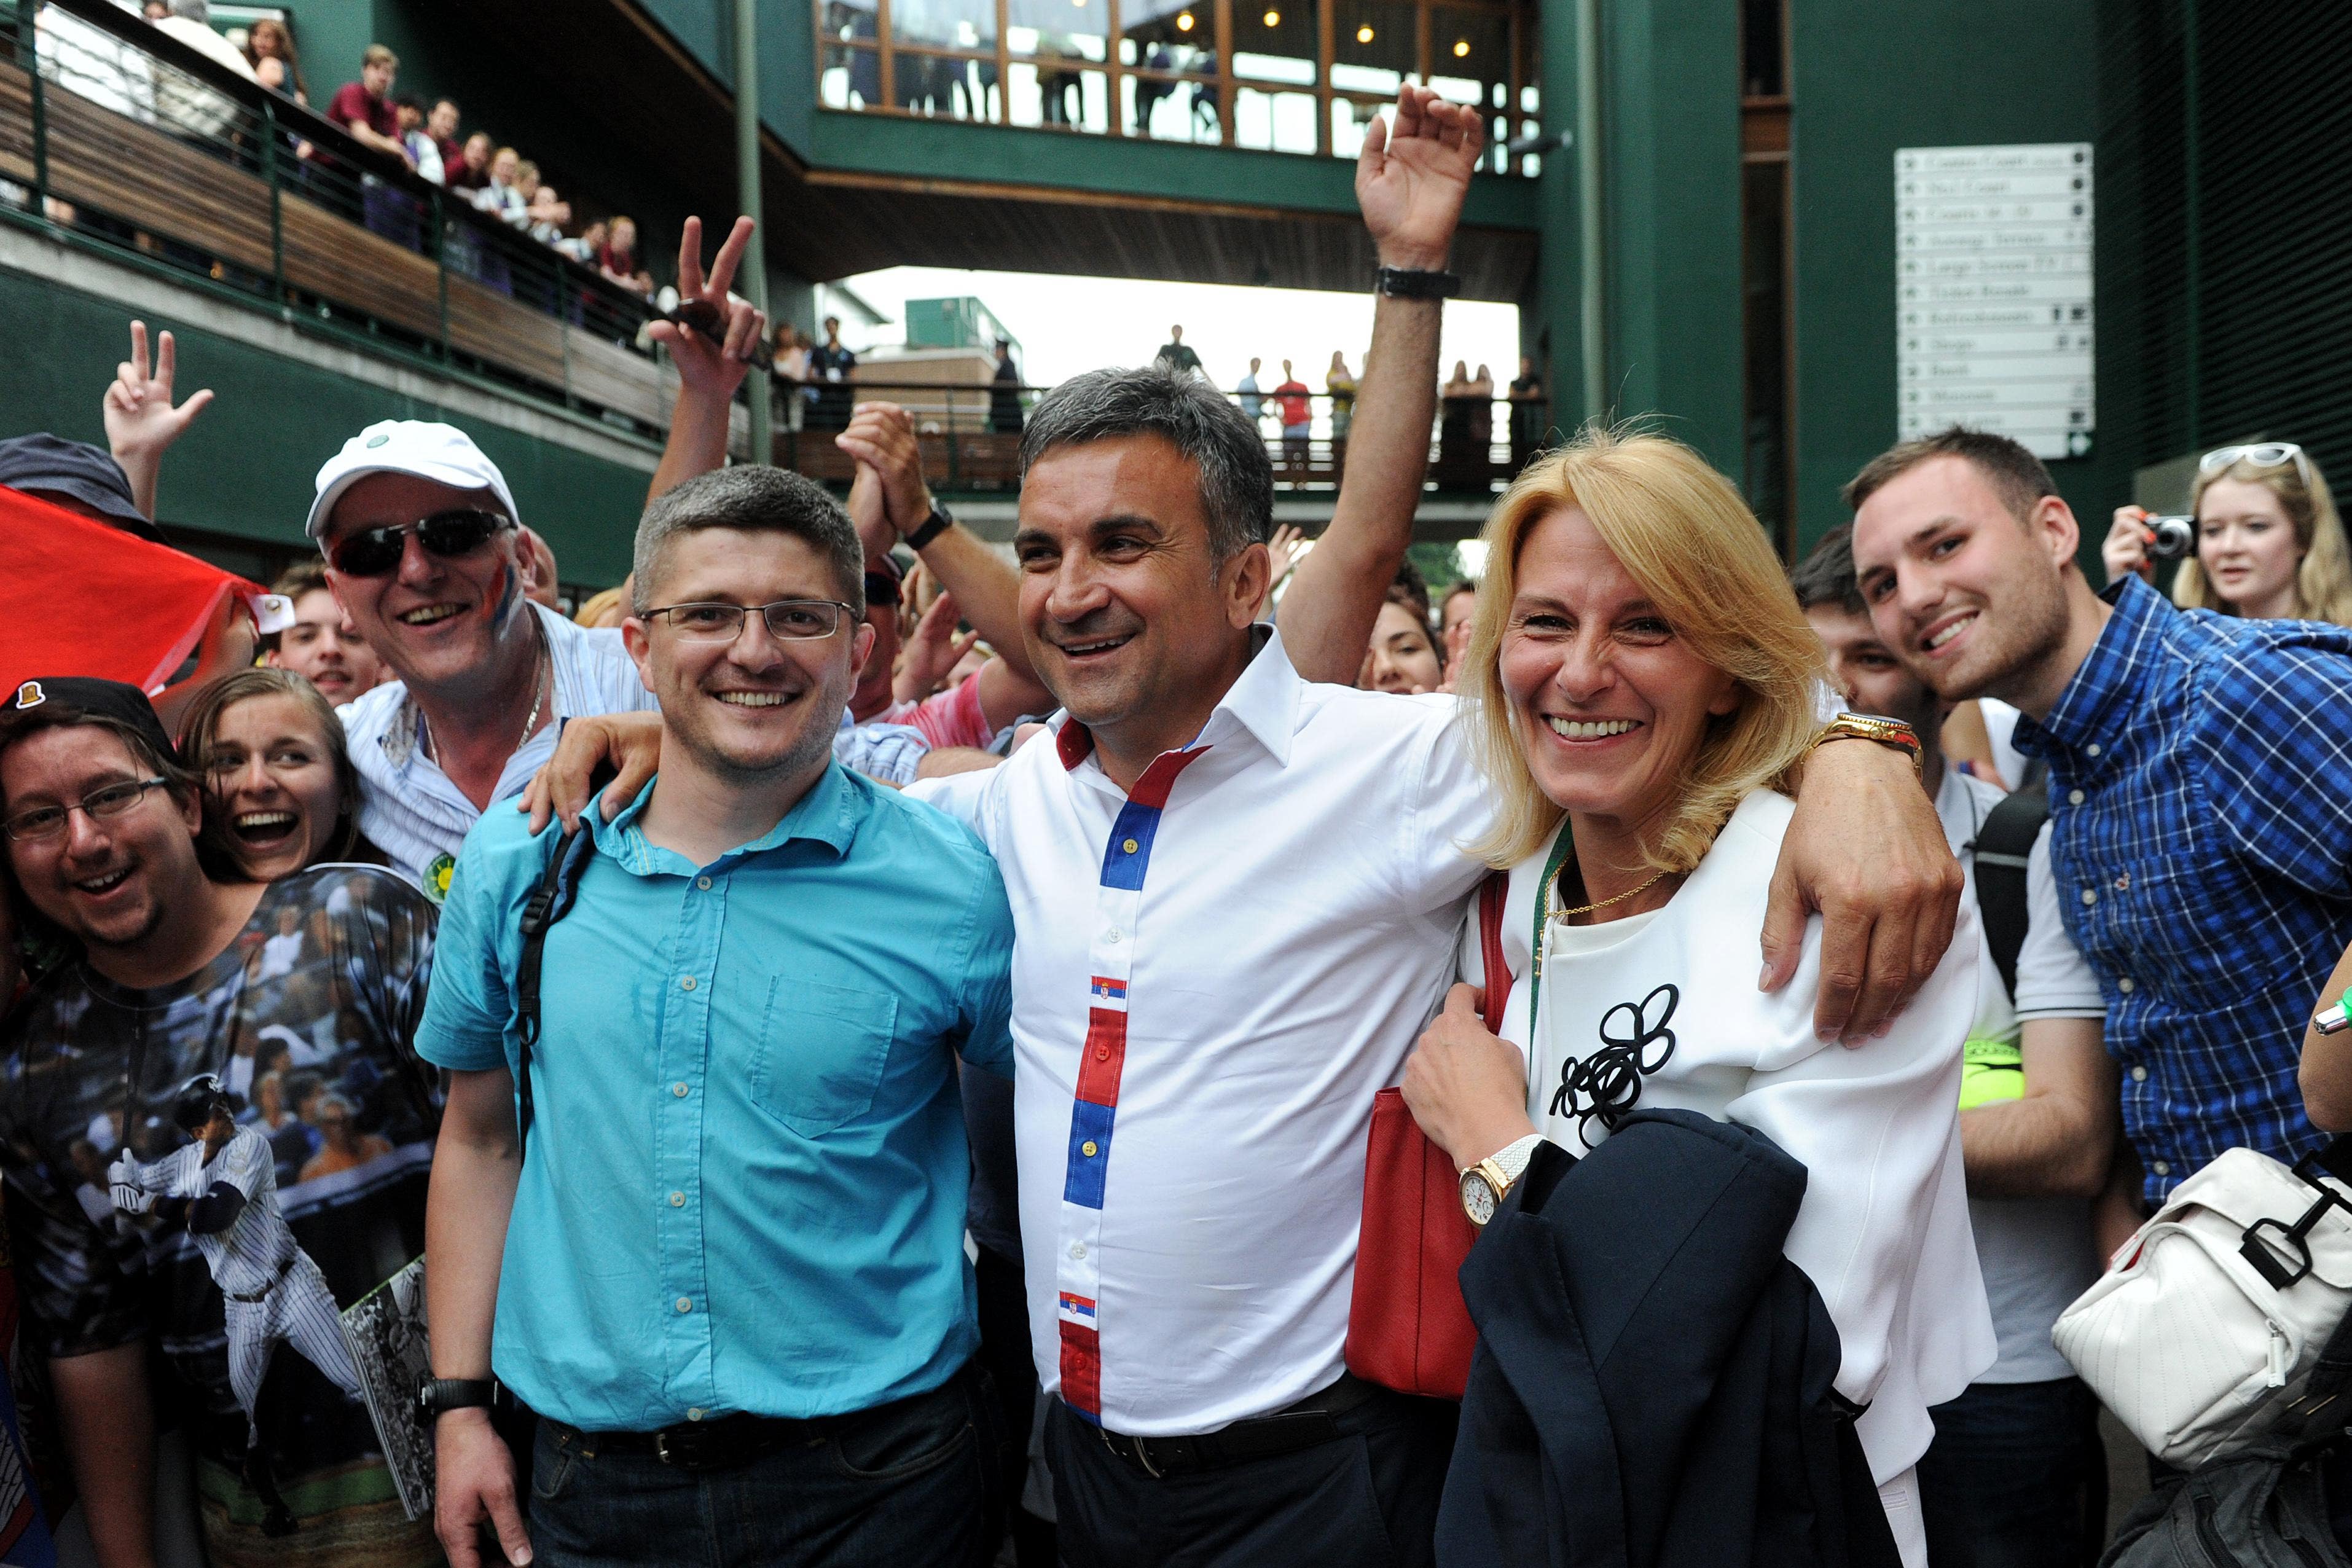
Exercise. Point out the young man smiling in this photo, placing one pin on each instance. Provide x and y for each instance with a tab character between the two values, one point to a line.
2199	831
723	1256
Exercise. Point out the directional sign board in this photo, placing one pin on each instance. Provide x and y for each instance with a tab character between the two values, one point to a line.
1992	292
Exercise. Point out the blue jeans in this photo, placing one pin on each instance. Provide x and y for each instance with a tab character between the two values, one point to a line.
2016	1478
910	1485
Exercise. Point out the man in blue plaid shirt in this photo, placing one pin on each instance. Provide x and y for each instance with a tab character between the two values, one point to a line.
2201	817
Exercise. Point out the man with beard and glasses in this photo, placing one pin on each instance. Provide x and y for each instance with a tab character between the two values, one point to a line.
193	1256
720	1252
2200	832
1239	891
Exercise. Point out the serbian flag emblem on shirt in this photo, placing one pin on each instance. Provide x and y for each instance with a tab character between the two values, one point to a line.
1113	992
1079	1306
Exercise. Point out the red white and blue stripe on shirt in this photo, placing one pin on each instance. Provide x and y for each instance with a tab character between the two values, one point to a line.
1094	1110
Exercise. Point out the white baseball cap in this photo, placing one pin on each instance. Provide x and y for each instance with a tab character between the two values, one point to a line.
442	453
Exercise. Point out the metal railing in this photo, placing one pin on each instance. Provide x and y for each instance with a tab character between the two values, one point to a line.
122	137
970	433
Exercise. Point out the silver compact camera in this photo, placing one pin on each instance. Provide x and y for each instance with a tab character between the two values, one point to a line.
2170	538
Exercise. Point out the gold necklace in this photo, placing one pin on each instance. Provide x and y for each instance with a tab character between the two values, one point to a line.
1553	914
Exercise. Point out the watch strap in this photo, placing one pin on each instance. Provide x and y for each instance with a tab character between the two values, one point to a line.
1512	1158
1409	283
438	1395
939	520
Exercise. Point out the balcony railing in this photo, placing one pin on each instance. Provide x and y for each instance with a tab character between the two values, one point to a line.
970	435
123	138
1291	75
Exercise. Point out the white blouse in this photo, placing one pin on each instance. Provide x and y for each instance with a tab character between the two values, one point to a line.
1670	998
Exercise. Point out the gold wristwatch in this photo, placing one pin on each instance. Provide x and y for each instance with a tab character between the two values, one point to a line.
1487	1183
1869	727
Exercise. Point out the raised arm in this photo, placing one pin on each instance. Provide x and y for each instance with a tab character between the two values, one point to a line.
708	373
1410	179
140	423
881	436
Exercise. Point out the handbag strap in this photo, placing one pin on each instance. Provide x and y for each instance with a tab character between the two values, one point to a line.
1492	895
1561	849
549	903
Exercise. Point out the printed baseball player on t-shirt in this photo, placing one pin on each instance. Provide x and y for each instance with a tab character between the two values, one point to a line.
224	1187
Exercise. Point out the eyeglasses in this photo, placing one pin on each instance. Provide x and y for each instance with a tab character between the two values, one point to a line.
788	620
881	588
376	552
2261	455
45	822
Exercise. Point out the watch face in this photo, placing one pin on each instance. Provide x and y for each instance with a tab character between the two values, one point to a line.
1478	1197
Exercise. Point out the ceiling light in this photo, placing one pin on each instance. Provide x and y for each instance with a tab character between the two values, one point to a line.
1460	48
1274	18
1364	34
1185	21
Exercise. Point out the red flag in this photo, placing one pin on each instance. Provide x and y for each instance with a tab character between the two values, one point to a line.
78	597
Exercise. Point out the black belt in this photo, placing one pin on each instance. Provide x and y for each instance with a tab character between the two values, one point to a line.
723	1441
263	1294
1313	1420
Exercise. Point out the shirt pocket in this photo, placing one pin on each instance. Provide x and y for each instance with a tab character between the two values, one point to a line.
820	1053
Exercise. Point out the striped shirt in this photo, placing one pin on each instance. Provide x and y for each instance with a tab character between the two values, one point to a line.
2201	838
411	810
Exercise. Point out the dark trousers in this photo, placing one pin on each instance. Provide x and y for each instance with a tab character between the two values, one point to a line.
1005	1351
2016	1478
1367	1501
905	1485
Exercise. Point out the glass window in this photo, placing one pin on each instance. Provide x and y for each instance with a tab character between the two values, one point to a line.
850	74
1372	44
1470	55
1054	43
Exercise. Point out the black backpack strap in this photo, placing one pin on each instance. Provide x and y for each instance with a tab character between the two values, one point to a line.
2005	849
549	903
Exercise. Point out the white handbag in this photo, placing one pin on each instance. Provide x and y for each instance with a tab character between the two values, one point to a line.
2205	1327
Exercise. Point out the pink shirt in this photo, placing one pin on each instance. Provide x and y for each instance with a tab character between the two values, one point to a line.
951	718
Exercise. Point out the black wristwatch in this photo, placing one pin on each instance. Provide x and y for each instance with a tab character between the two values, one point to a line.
1404	283
437	1394
932	527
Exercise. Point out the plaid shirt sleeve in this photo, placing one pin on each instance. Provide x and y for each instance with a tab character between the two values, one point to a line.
2273	732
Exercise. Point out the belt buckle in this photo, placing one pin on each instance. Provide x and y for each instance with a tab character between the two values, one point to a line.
1129	1447
681	1451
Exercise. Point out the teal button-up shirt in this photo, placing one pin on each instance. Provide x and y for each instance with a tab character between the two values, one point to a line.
745	1183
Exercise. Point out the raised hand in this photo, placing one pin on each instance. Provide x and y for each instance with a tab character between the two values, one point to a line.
1411	176
883	435
140	422
708	369
932	652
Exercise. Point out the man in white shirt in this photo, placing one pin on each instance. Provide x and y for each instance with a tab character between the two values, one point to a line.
1235	894
2015	1457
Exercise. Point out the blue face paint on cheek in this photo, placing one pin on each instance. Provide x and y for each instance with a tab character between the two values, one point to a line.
510	591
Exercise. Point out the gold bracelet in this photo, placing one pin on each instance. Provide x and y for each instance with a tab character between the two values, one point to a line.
1885	731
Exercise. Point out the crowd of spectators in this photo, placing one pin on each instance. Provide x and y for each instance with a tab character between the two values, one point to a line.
1230	834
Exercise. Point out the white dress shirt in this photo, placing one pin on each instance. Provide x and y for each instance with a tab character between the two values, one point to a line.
1212	977
1883	1232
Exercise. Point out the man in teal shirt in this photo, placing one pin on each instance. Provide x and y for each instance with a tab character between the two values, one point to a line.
730	1276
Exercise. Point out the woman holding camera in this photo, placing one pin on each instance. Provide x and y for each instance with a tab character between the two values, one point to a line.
2269	544
1639	691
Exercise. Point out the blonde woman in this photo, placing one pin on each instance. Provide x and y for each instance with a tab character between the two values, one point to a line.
1639	691
2269	544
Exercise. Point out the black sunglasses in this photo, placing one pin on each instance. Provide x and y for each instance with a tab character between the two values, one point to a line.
376	552
881	588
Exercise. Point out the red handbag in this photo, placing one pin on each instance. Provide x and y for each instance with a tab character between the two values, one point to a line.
1407	1327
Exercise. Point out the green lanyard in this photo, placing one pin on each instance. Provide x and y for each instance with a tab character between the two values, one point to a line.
1559	853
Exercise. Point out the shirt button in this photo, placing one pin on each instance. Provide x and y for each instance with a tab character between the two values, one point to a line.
1087	1148
1111	936
2090	896
695	1413
2092	749
2160	1168
678	1089
1078	1250
2139	1075
2124	985
2074	798
684	1304
703	883
1102	1053
677	1200
1129	847
686	984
